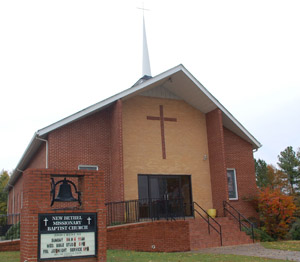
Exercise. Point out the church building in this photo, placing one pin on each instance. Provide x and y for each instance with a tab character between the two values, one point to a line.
165	138
166	135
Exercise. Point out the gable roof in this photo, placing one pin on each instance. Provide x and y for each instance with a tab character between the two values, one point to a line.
178	81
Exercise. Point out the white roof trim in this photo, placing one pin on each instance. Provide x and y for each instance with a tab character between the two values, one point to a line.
35	144
106	102
221	107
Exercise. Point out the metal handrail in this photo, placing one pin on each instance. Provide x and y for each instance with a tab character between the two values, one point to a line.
131	211
208	220
250	227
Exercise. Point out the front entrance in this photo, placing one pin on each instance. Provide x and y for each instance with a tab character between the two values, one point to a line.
167	194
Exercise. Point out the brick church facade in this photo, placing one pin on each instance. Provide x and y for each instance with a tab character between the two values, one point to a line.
165	136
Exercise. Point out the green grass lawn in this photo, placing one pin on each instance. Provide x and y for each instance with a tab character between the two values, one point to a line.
283	245
9	256
128	256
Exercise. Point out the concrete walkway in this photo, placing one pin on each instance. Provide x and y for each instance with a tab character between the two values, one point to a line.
253	250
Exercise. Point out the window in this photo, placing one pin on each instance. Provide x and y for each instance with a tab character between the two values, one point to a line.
87	167
232	185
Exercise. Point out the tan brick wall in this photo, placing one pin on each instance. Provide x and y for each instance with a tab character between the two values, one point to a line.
186	145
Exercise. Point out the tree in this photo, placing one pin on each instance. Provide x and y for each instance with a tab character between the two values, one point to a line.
278	179
269	176
289	163
276	211
261	171
4	177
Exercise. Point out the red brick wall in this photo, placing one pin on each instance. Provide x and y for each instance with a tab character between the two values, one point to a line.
9	245
39	159
116	179
37	200
239	155
167	236
15	195
216	151
84	142
93	140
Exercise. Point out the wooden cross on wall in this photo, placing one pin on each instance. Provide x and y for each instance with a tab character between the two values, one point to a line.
162	120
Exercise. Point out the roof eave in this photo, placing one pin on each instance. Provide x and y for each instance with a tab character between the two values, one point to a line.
255	143
31	149
35	143
107	102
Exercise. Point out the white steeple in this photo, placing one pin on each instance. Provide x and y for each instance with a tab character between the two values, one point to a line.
146	60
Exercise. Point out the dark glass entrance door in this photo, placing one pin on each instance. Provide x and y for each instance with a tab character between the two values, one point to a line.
168	194
164	187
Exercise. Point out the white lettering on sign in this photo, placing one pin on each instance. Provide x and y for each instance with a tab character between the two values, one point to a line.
59	223
57	218
57	228
72	218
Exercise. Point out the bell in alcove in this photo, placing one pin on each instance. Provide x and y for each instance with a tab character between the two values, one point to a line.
64	192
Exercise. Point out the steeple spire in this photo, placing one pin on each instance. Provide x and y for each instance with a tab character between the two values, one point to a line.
146	60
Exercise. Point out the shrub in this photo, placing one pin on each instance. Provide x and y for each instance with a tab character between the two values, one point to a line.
295	230
259	234
276	212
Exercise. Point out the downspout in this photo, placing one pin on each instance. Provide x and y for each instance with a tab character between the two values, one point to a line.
46	141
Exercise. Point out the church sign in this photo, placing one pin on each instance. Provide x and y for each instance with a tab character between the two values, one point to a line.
67	235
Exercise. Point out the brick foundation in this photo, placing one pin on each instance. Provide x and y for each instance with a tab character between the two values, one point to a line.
10	245
159	236
174	236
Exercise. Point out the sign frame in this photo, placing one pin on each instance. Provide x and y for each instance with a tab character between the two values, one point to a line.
93	228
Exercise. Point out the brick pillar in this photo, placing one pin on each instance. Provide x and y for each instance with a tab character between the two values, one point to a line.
36	200
217	161
116	179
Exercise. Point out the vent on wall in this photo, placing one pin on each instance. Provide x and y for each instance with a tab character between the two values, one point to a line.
87	167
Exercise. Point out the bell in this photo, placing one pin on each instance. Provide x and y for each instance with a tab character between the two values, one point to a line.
65	192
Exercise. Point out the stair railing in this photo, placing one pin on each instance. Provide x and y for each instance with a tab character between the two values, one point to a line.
239	218
132	211
208	220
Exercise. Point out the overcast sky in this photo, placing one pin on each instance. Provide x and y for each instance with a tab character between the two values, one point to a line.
58	57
